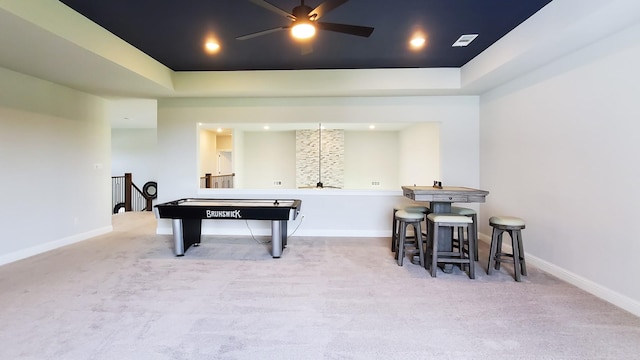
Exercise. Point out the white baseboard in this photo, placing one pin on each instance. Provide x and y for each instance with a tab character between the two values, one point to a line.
344	233
42	248
604	293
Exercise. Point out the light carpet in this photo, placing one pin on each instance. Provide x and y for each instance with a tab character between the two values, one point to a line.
124	295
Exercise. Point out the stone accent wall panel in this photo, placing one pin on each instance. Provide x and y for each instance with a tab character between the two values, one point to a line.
324	162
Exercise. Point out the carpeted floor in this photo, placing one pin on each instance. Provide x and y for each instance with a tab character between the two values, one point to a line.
125	296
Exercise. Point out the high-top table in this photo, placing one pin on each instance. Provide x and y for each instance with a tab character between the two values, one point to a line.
440	199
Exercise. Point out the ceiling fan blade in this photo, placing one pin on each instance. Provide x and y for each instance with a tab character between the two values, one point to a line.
363	31
269	6
324	8
263	32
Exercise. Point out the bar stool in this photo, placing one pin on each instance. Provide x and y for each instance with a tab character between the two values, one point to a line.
394	230
513	226
406	218
472	230
462	256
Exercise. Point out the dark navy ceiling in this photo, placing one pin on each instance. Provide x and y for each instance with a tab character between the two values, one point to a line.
173	32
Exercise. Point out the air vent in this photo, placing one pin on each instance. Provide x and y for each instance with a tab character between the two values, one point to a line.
464	40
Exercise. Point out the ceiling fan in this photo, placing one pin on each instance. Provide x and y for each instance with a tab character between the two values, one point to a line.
304	18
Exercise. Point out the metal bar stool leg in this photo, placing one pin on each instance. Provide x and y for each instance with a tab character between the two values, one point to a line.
499	253
516	254
461	246
434	250
472	256
521	250
473	227
401	238
420	243
493	252
394	232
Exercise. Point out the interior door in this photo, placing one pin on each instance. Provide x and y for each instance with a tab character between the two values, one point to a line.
224	163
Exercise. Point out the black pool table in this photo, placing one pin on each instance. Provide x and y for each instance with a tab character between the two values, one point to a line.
187	215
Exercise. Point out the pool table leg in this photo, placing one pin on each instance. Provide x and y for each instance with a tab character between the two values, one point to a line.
278	237
186	232
283	233
178	243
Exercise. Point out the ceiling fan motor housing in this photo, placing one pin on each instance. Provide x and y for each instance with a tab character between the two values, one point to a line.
301	12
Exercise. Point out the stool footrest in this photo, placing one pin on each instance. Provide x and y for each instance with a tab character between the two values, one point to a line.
449	253
454	260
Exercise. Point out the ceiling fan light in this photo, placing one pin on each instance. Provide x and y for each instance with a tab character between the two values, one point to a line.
303	30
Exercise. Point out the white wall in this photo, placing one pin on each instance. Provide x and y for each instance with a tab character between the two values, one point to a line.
55	164
269	156
346	213
559	148
237	158
325	212
134	151
371	156
424	138
207	153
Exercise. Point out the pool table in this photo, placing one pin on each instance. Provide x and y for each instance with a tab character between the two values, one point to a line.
187	215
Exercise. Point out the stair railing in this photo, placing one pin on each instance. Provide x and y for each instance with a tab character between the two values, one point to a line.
126	196
217	181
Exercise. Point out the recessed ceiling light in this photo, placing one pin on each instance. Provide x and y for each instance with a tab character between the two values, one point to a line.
372	127
417	42
464	40
212	46
266	127
418	39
